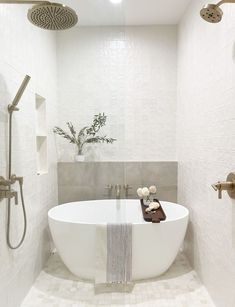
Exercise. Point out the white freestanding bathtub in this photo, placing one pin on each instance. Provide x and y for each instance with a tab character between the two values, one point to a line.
154	246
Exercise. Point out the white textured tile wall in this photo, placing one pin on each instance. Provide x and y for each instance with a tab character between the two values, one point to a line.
25	50
130	74
206	145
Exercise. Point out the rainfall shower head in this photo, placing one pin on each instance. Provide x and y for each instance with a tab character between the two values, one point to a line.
52	16
211	13
48	15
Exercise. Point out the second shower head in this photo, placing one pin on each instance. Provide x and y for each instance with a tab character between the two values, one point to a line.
212	12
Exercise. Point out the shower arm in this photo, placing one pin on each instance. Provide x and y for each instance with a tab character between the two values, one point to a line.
23	2
225	1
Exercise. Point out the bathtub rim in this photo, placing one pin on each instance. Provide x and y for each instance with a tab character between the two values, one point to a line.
60	220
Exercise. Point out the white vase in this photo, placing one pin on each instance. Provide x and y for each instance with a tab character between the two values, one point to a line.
79	158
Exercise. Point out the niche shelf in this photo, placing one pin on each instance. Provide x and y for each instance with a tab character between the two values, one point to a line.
41	135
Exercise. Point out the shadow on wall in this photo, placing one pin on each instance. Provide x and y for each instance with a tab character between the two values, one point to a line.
233	227
233	53
189	242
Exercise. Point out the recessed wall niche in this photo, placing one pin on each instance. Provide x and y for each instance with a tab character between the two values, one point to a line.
41	135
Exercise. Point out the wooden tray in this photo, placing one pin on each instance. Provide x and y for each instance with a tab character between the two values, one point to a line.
155	217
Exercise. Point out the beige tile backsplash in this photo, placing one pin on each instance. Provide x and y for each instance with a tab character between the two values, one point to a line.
87	180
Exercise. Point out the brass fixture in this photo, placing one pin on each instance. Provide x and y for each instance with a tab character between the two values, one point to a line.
109	187
13	106
118	189
49	15
6	192
127	187
212	12
228	186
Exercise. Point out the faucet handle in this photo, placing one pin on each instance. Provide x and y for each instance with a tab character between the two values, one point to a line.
109	187
228	186
10	194
15	195
217	187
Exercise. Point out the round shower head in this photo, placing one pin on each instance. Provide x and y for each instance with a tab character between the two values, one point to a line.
52	16
211	13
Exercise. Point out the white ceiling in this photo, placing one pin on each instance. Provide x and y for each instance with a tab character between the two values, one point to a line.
130	12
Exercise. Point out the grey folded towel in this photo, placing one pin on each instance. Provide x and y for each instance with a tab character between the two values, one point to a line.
113	258
119	253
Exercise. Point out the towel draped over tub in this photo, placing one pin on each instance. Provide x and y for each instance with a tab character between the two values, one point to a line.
113	257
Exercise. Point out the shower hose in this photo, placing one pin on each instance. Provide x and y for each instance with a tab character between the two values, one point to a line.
9	220
10	245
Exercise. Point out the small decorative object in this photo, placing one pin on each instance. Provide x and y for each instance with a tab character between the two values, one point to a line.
153	189
139	193
87	135
147	194
154	213
152	206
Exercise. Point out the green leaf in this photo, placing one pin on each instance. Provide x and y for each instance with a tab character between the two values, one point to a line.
64	134
86	134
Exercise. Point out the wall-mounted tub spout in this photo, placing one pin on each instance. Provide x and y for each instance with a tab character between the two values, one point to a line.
118	189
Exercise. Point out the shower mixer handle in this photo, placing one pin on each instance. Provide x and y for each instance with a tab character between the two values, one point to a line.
8	194
223	186
5	188
228	186
12	194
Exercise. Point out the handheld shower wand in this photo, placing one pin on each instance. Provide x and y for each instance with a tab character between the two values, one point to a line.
12	106
11	177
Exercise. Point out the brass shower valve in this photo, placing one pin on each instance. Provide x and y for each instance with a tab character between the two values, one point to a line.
228	186
5	188
12	180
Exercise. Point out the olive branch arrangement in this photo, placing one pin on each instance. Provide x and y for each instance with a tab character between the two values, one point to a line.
87	135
